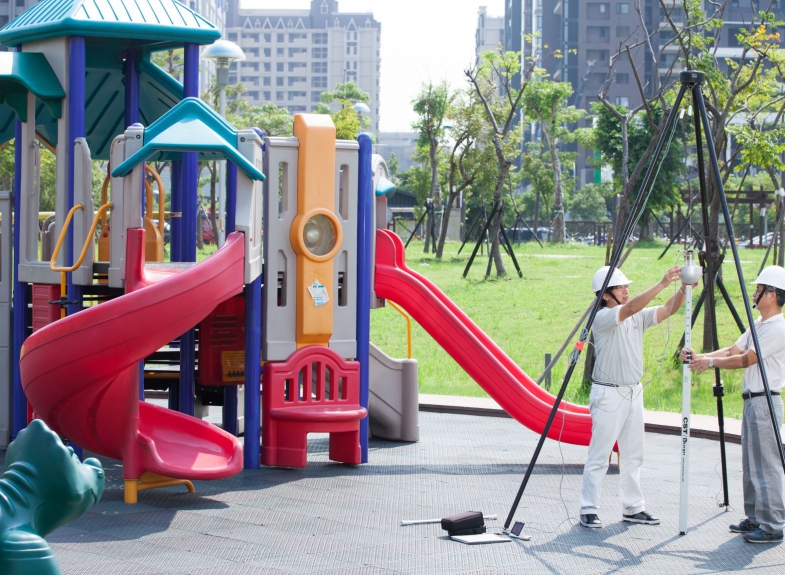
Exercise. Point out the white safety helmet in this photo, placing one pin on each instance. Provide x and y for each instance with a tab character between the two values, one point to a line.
772	276
617	279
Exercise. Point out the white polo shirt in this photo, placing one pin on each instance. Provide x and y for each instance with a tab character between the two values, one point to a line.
619	346
771	336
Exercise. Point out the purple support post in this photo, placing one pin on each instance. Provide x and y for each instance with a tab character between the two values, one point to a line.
252	450
365	228
76	129
229	414
189	182
20	295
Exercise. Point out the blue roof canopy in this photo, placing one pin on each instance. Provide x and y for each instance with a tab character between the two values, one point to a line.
191	126
124	23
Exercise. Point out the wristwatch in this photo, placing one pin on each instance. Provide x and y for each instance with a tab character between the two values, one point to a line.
711	363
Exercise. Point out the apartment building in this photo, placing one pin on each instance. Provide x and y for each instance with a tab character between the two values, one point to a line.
292	56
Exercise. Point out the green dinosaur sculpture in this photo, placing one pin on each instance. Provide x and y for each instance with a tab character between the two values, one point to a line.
44	487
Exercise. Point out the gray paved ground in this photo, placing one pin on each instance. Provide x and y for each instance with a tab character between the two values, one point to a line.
335	519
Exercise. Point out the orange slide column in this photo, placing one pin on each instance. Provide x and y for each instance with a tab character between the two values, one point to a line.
316	232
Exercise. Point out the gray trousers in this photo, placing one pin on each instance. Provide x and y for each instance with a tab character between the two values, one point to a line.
761	464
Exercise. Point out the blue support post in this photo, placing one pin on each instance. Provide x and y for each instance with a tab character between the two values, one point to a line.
229	414
365	228
189	182
76	129
20	296
252	451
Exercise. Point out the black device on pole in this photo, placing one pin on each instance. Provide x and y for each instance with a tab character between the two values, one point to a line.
668	131
690	80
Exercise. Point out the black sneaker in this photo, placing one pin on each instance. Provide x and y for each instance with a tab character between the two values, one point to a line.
641	517
743	526
591	521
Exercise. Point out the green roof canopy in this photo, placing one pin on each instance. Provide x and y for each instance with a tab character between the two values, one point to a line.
191	126
163	23
22	72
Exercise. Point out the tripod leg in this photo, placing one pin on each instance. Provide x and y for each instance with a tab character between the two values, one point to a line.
478	244
666	135
730	305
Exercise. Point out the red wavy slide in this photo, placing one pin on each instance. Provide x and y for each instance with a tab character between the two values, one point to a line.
81	373
471	348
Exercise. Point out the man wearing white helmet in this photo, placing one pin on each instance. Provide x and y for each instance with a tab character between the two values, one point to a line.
760	458
616	400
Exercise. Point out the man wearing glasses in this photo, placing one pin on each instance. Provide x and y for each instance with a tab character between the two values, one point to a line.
760	457
616	399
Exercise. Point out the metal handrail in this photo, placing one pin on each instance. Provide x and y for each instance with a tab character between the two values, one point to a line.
408	327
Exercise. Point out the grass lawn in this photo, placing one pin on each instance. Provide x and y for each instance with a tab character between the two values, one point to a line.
533	316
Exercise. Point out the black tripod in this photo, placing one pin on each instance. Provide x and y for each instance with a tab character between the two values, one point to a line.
690	81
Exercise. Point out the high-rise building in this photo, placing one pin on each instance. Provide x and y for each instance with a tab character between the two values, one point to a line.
588	33
490	32
292	56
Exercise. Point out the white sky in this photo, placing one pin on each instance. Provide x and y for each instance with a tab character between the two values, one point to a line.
422	40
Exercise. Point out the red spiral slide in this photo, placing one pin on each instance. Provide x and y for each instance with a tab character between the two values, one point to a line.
474	351
81	373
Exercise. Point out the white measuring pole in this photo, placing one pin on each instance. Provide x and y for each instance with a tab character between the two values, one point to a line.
690	274
686	378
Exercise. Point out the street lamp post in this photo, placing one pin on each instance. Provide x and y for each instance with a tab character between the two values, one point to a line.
361	108
223	53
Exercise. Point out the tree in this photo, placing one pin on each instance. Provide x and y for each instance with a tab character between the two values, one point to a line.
432	105
546	103
170	61
615	151
590	202
268	117
348	122
466	161
492	82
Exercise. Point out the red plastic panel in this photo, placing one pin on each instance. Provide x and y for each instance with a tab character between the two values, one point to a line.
222	344
44	312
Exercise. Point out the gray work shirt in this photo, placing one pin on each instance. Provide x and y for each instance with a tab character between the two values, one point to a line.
771	336
619	346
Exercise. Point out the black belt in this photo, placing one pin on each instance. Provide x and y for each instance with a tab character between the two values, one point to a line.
606	384
748	395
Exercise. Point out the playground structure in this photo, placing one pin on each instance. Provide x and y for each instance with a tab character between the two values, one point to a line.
311	208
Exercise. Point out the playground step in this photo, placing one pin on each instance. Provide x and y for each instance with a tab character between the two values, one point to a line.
703	426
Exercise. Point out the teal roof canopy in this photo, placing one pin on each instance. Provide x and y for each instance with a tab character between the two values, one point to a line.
153	22
105	101
23	72
191	126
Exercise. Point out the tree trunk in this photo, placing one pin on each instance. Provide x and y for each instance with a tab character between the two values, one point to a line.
713	251
427	230
495	248
445	223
